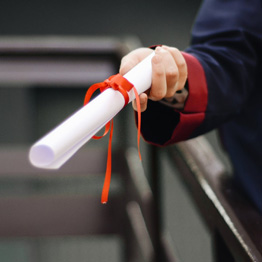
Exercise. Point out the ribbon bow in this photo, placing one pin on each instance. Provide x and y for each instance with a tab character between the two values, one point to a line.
121	84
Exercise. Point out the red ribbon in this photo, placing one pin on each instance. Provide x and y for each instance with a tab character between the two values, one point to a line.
121	84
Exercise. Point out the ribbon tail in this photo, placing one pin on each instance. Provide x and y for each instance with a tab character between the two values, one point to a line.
138	121
106	186
118	83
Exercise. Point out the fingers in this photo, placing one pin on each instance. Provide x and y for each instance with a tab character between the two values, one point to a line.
169	73
165	75
127	63
158	87
143	102
181	67
133	58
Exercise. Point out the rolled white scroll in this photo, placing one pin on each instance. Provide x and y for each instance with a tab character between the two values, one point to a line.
55	148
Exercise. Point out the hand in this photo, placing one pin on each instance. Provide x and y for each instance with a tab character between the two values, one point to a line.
169	72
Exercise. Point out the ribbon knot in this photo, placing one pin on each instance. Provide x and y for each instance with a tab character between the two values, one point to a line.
121	84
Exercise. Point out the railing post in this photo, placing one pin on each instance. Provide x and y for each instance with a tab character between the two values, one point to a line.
155	183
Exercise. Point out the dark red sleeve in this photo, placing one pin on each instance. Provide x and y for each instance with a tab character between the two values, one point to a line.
194	111
162	125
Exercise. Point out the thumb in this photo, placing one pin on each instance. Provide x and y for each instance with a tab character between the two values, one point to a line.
143	102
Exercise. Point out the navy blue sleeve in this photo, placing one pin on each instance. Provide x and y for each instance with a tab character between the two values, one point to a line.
227	41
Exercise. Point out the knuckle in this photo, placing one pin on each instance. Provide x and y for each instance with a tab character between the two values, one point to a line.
181	64
172	73
159	72
175	50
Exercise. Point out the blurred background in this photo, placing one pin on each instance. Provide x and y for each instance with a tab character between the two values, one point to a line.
27	113
152	22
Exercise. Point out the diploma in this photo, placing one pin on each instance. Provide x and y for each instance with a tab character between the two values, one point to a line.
59	145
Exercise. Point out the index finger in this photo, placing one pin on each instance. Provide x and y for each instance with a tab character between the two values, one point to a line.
133	58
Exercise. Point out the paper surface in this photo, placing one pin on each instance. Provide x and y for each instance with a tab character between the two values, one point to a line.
54	149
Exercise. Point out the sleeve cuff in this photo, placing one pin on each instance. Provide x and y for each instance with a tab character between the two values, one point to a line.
195	107
197	86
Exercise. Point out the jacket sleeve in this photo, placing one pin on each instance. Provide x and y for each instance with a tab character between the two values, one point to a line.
222	63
